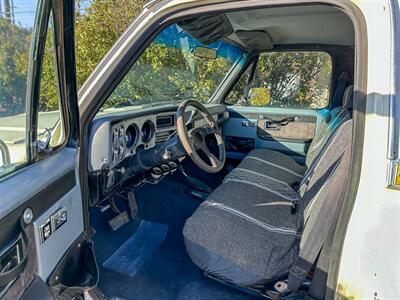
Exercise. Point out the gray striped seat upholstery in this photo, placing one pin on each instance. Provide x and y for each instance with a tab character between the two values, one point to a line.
247	232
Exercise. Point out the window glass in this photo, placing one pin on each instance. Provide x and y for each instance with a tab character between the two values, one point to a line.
173	68
15	39
50	126
289	79
236	95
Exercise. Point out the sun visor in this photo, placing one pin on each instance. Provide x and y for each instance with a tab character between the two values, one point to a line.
207	29
255	39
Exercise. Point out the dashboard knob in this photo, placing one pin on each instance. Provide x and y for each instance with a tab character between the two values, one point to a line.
165	169
167	155
173	166
156	172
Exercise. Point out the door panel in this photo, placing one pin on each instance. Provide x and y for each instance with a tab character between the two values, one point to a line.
41	213
289	131
45	188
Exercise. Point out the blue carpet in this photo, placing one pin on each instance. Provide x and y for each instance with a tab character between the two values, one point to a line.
168	274
134	253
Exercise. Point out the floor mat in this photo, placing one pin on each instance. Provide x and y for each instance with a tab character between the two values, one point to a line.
169	274
134	253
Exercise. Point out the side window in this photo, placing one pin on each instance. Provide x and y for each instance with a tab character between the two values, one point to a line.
50	125
15	46
298	79
236	95
15	41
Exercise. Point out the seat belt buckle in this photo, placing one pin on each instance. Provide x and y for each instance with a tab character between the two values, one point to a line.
281	289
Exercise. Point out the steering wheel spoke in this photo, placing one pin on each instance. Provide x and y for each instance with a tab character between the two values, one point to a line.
215	161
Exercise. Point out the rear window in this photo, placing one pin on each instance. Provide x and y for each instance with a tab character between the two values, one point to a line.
295	79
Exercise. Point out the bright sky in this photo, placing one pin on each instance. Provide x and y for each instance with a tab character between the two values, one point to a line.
24	12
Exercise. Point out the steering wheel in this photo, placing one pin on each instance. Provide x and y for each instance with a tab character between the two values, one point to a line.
194	139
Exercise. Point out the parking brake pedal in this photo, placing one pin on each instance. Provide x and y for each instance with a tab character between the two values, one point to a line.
118	221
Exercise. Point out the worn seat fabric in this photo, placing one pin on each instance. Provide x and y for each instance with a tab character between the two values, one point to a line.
249	230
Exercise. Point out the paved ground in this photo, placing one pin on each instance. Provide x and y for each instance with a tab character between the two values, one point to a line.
12	128
12	132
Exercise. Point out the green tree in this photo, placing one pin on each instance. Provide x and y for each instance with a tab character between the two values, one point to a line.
14	57
97	29
293	79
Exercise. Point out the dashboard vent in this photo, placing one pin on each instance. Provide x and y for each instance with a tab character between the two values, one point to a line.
161	136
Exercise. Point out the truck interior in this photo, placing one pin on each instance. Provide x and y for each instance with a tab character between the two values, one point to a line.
211	161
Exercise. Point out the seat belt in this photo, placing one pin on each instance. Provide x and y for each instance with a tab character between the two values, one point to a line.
327	215
317	288
245	98
339	91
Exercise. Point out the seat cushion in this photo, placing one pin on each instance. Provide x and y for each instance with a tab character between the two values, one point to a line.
243	234
273	164
247	234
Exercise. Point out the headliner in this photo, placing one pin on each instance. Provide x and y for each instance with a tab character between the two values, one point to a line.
312	24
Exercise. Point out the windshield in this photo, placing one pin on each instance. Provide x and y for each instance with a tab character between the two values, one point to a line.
174	67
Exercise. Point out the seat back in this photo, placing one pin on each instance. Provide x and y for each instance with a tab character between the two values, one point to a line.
336	117
324	177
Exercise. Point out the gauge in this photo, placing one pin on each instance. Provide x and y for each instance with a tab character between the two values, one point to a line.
115	136
115	155
147	131
121	152
131	135
121	133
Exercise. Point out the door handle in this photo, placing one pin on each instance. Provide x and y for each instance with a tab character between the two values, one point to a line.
7	275
274	125
277	124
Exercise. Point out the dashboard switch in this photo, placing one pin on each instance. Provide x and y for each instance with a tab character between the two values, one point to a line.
45	230
58	218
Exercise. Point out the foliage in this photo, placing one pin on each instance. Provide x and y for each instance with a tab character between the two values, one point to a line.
98	28
48	85
14	56
294	79
161	73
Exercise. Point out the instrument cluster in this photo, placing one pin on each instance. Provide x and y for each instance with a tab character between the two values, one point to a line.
130	135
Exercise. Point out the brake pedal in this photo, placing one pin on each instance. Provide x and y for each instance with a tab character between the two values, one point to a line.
118	221
133	207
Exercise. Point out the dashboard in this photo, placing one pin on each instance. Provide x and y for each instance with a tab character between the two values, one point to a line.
129	143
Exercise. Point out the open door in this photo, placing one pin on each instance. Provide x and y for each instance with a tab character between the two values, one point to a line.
41	216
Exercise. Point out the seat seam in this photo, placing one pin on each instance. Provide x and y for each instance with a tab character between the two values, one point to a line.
292	199
281	230
274	165
262	175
